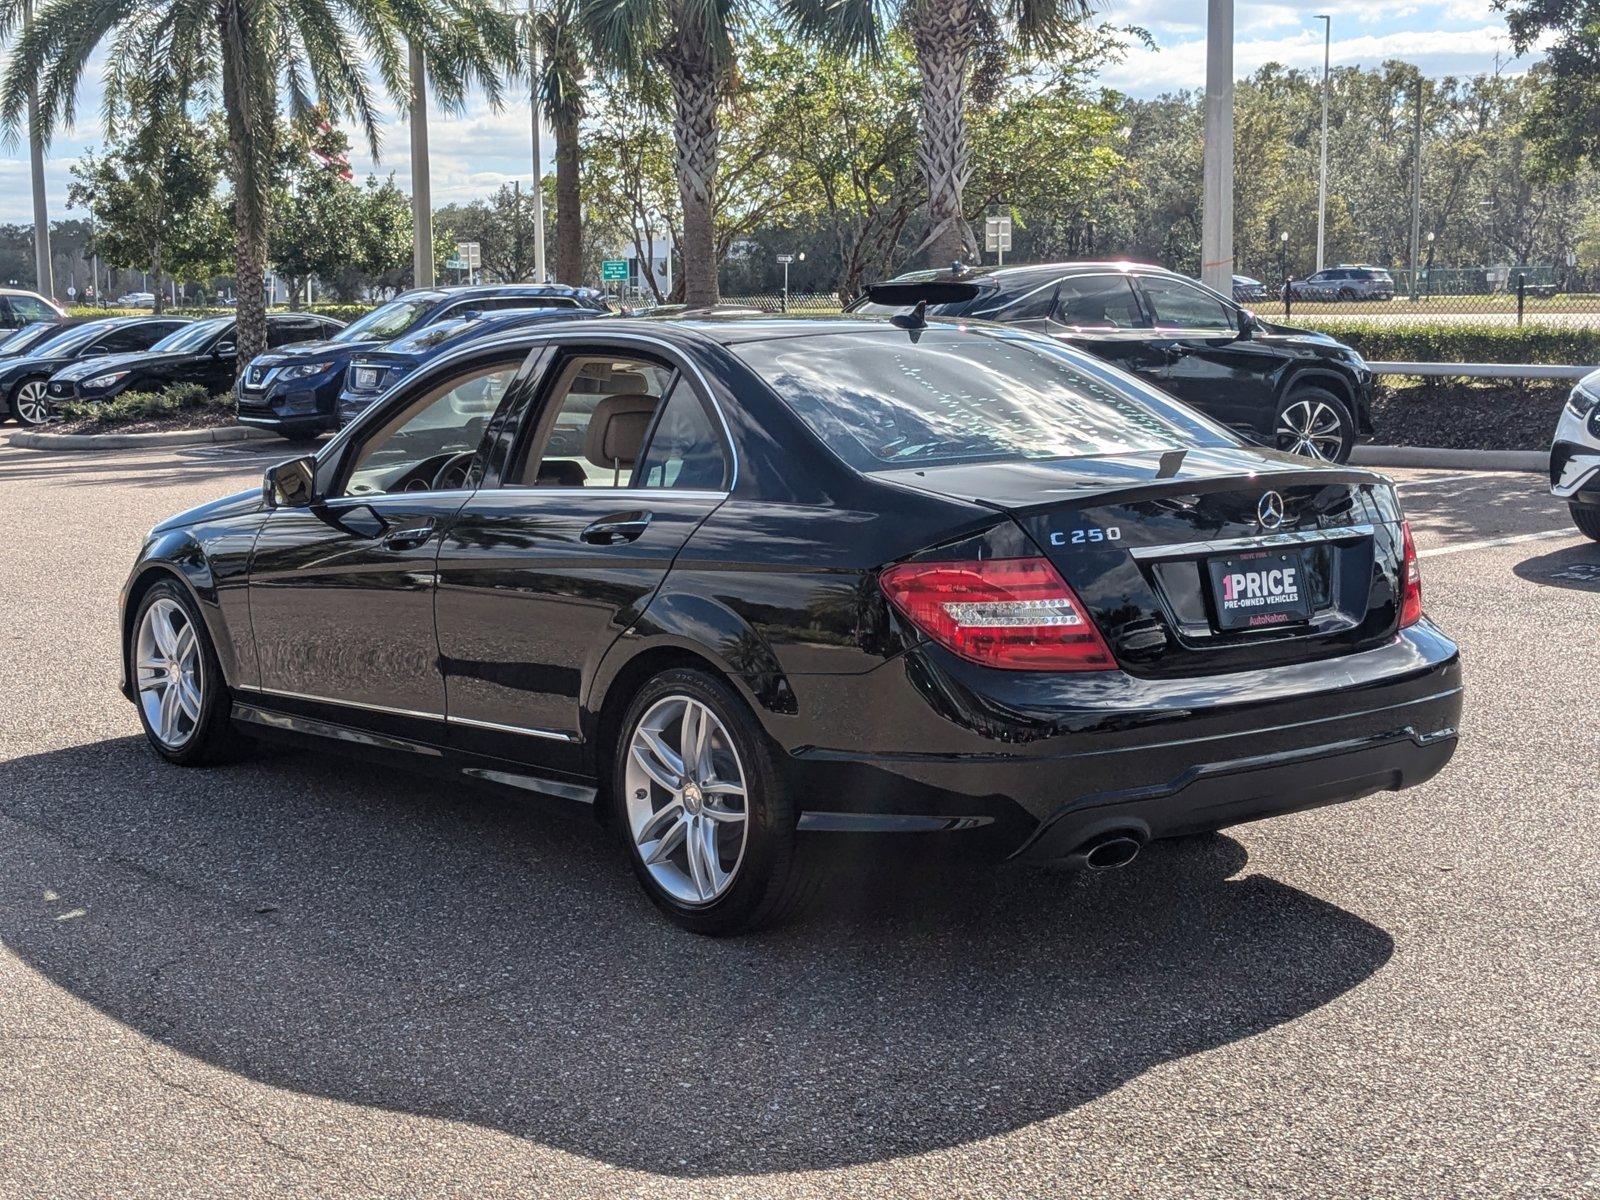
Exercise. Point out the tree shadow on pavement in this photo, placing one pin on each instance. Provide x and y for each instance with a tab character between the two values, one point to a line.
356	933
1576	567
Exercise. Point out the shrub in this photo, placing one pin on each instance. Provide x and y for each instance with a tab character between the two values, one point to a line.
1452	341
146	406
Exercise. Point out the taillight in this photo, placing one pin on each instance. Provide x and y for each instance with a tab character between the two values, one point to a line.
1016	613
1410	580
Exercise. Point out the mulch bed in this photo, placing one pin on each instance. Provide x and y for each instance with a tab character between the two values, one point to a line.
188	420
1499	414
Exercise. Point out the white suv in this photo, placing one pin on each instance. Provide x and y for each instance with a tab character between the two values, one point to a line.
1575	456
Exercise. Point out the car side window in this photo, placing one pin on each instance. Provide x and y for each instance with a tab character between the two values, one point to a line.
1176	305
429	444
281	333
130	339
592	426
29	308
1098	302
684	449
1034	306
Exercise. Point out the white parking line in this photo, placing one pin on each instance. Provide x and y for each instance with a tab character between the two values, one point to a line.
1510	540
1404	483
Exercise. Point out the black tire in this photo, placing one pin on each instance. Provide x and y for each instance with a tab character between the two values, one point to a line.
300	438
775	875
1587	518
18	402
1310	401
213	738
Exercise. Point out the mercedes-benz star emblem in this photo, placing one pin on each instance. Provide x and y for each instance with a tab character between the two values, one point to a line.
1269	510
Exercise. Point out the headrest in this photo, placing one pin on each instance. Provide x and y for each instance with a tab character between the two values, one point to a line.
616	431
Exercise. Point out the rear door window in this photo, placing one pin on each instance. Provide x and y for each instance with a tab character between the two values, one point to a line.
1098	302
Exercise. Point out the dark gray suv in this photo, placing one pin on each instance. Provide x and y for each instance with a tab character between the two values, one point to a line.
1345	283
1288	388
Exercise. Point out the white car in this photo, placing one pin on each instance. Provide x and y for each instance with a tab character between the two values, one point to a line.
1575	456
136	300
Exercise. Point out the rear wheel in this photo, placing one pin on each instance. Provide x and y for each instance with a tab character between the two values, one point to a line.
1315	423
30	403
182	697
709	825
1587	519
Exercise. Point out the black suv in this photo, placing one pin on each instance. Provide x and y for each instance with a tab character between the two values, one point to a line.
296	392
1289	388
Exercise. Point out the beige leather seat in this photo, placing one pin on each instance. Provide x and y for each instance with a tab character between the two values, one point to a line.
616	431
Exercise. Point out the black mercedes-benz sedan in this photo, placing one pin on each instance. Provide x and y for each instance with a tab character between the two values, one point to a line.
1291	389
748	589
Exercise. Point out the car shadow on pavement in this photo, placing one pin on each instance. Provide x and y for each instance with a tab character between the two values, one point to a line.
356	933
1576	567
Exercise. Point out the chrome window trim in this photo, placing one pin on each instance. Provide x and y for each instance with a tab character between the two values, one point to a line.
1262	541
632	493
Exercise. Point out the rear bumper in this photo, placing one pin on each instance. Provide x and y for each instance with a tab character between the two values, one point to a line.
1090	755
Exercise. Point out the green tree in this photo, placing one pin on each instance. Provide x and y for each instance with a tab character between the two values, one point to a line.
692	44
951	39
152	194
1563	121
254	57
562	73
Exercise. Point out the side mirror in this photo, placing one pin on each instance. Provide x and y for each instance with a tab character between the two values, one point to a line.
223	349
1248	323
291	484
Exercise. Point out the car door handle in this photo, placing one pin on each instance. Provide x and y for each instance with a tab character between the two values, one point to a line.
618	527
408	538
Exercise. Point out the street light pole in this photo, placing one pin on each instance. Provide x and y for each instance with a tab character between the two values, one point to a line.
1322	176
538	165
1216	209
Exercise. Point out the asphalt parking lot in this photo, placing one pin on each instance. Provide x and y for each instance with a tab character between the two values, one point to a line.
301	977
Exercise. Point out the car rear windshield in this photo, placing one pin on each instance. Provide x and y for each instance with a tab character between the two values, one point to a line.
886	399
191	339
71	339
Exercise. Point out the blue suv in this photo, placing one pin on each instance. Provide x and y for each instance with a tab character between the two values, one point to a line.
373	372
294	391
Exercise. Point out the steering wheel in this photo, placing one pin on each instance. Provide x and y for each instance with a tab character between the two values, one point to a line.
454	473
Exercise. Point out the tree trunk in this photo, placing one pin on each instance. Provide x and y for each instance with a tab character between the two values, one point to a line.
245	100
695	87
569	207
155	273
943	36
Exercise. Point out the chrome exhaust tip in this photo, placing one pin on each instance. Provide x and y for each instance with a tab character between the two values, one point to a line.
1109	851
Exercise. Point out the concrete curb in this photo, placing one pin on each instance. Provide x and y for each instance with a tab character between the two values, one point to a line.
34	440
1464	460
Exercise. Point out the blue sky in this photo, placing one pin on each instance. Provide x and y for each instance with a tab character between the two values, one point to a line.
477	151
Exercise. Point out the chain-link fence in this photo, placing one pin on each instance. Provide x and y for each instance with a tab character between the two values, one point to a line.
1496	294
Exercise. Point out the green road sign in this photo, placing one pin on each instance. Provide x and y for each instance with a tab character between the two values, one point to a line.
614	270
455	264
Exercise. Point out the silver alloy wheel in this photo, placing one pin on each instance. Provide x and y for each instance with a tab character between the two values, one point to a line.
32	407
169	673
687	808
1311	428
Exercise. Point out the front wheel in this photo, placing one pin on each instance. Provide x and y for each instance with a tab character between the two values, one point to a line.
1587	518
30	403
1315	424
183	699
708	823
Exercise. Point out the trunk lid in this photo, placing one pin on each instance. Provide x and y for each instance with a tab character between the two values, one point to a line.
1174	553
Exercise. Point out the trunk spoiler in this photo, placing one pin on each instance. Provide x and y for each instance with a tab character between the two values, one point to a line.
927	291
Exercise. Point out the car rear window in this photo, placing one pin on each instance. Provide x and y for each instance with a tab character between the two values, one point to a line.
888	399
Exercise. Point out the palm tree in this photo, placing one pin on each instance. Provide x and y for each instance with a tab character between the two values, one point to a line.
946	35
691	42
252	57
560	38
